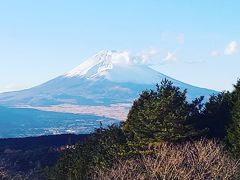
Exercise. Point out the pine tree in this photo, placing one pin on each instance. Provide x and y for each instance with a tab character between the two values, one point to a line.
217	115
233	133
100	150
160	115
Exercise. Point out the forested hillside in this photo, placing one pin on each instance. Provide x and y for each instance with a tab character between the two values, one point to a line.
164	137
25	158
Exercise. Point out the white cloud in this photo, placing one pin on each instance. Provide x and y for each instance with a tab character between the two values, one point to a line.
152	56
231	48
148	55
170	56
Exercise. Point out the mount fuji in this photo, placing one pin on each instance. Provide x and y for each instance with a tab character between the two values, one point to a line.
107	78
102	88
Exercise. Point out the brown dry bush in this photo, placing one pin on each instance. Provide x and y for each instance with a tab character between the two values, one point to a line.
192	160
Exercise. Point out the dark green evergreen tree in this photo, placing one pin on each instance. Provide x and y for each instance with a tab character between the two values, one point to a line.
233	132
161	115
216	115
101	150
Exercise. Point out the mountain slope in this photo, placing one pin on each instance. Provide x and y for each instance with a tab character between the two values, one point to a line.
109	77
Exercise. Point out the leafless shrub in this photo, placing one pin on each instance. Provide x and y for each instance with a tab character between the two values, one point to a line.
192	160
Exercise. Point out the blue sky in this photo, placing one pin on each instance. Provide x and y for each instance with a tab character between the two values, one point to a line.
193	41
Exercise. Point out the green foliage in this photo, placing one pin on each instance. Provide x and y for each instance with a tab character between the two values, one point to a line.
216	115
156	116
100	150
233	132
161	115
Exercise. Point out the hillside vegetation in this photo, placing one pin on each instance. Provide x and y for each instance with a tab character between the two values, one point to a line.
24	158
164	137
192	160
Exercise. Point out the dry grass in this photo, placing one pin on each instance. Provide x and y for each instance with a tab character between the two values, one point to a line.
199	160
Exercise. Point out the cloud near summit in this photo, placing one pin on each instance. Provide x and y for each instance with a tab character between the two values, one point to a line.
231	48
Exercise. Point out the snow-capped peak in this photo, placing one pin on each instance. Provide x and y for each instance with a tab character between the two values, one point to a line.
115	66
100	63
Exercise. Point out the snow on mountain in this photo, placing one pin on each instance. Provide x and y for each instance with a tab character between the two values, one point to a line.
99	64
102	88
109	77
117	67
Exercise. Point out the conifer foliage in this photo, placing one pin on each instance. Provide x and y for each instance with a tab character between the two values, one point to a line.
233	133
101	150
158	116
161	115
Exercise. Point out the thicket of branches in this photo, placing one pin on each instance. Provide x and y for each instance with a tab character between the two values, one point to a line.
203	159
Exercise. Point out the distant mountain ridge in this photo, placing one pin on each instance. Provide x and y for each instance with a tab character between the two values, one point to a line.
109	77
